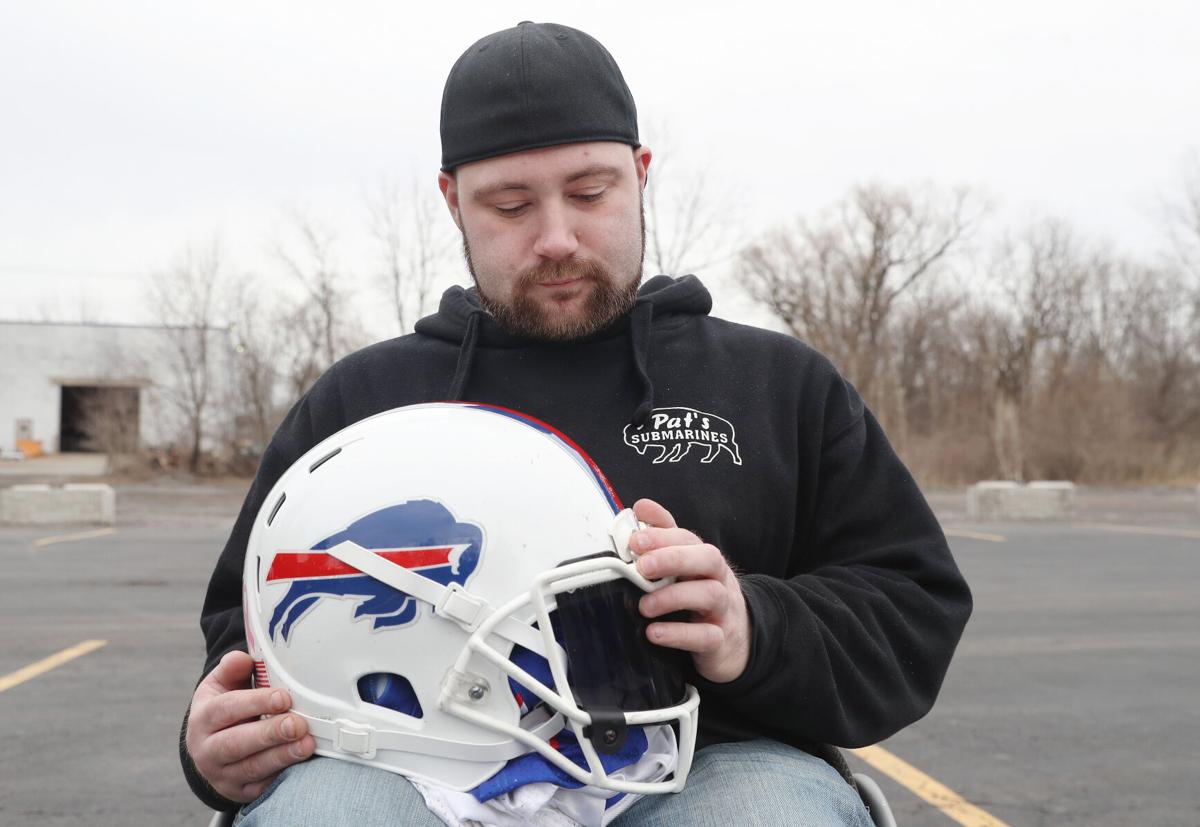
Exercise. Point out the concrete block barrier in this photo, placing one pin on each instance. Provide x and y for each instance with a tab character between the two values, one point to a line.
1007	500
74	503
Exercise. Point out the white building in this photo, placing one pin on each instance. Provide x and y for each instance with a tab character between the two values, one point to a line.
97	387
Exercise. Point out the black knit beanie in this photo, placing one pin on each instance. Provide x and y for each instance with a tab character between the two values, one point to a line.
535	85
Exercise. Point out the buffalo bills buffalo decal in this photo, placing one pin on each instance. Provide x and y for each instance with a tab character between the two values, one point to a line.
420	535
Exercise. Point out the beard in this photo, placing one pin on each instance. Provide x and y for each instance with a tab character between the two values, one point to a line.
609	297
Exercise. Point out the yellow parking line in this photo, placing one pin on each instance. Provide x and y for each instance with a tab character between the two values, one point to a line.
945	799
1141	529
46	664
974	535
78	535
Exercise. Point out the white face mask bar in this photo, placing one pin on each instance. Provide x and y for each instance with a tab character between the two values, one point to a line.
461	692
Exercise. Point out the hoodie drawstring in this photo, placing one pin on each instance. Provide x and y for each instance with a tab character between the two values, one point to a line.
466	356
641	319
639	334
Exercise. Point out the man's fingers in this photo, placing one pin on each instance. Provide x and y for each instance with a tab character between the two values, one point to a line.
237	744
699	638
652	538
648	511
235	748
703	596
262	766
703	560
231	708
233	672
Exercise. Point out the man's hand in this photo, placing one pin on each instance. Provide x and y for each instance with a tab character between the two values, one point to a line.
718	634
235	750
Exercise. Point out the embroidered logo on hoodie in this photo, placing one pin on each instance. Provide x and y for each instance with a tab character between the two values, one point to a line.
673	431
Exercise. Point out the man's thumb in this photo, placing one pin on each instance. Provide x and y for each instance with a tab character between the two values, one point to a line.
233	672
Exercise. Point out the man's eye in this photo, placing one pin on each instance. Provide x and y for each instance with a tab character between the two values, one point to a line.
517	210
588	197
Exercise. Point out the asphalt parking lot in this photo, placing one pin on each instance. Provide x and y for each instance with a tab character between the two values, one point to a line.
1073	699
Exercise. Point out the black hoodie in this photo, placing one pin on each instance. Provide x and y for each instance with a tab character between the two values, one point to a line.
750	439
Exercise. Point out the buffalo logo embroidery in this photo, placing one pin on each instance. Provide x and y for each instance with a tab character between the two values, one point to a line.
421	535
673	432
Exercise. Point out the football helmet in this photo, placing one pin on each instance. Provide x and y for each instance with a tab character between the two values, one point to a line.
444	588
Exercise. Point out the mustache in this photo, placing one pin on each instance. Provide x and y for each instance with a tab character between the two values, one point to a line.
572	268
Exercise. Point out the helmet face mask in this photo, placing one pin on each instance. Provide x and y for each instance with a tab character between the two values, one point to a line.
405	580
614	668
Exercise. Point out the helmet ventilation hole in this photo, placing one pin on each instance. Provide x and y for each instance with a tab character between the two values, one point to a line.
275	510
324	460
391	691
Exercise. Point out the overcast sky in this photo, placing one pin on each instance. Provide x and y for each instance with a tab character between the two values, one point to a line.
131	129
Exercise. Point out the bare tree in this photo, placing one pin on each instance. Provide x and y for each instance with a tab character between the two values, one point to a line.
689	225
309	261
184	297
685	229
1041	277
258	345
412	245
1179	322
318	324
835	283
928	356
1104	318
303	356
1165	353
1061	360
109	418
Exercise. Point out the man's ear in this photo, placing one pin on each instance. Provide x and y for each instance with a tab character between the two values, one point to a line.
641	163
448	184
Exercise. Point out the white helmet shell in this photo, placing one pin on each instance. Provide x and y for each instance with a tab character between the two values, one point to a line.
410	556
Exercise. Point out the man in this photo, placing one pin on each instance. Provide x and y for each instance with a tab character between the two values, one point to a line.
823	602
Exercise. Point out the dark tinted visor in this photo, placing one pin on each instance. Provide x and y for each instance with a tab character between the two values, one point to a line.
613	667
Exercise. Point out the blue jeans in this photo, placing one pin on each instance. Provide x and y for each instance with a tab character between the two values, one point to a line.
748	784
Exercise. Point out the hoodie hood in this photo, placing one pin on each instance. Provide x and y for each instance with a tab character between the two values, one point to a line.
461	320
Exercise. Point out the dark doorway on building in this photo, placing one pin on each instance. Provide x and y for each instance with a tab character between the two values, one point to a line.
99	419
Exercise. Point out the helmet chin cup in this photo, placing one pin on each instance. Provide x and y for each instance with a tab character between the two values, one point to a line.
407	576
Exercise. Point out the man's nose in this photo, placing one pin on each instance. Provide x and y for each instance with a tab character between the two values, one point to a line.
556	235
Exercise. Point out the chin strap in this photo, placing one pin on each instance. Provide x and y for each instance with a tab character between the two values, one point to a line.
363	740
452	602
